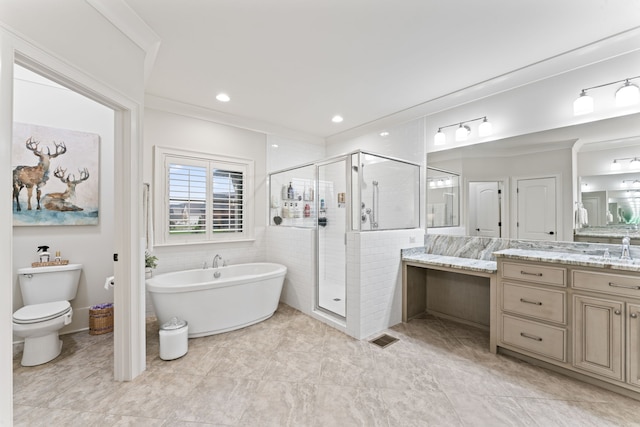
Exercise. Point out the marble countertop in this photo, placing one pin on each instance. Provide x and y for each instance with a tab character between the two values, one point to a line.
608	232
583	260
468	264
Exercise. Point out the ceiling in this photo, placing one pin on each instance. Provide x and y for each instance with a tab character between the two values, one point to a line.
297	63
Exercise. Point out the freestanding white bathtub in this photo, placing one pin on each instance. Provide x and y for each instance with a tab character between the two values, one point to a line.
242	295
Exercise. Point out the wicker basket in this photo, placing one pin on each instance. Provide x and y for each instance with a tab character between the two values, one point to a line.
100	321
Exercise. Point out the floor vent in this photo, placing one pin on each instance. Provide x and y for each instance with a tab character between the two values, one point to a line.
384	341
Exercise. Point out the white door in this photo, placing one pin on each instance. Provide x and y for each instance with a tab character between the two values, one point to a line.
484	209
536	205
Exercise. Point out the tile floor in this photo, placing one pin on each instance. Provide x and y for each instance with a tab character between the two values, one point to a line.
292	370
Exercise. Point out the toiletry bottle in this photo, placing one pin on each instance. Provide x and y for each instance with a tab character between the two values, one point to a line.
44	253
285	192
285	210
290	192
307	210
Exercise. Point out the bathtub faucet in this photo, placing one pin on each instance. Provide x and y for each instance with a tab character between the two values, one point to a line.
216	260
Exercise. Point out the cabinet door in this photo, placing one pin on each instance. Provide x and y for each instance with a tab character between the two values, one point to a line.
597	336
633	344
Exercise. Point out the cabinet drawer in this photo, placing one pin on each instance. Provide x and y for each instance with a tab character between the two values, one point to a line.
545	275
544	340
544	304
616	284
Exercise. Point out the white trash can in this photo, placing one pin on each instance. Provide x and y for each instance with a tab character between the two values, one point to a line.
174	337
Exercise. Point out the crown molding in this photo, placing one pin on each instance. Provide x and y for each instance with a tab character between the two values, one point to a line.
121	16
620	44
189	110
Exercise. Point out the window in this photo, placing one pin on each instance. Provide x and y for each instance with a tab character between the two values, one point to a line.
202	197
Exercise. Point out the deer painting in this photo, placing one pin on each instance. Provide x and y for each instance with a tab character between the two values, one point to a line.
60	201
34	176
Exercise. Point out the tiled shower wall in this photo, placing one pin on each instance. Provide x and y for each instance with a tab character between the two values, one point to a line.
374	274
374	279
294	248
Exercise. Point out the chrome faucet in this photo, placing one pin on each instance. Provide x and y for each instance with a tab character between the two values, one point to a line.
626	241
216	259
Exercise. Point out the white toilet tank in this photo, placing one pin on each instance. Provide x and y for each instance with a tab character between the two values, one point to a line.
47	284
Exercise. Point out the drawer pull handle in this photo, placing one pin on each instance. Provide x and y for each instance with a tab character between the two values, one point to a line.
530	302
617	312
526	273
633	315
531	337
615	285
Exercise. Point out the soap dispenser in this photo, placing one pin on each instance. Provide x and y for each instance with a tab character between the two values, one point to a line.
44	253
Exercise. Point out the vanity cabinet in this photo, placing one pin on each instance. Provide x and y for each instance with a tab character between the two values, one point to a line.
606	331
533	309
598	344
583	319
633	344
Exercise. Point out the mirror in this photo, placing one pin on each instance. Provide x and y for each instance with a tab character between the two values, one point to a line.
443	198
576	152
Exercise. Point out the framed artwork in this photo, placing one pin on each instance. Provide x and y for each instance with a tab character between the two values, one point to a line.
55	176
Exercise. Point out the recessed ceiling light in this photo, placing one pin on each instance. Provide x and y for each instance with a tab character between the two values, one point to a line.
274	145
223	97
384	133
337	119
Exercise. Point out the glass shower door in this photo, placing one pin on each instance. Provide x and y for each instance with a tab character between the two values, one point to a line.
332	226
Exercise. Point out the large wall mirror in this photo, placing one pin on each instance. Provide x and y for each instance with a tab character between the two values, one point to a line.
573	156
609	185
443	198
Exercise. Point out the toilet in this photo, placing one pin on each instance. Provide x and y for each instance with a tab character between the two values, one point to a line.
46	292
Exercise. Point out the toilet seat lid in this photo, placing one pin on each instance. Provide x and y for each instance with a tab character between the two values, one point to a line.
40	312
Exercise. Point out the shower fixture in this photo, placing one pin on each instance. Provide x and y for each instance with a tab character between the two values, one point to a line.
375	207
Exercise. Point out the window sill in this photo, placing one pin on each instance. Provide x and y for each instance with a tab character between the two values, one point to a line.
204	242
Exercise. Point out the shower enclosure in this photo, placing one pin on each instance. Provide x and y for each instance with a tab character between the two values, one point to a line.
340	196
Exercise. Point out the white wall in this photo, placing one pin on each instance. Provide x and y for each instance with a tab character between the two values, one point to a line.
539	106
75	41
284	153
40	102
173	130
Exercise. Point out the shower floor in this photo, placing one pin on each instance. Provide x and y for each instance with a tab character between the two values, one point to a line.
331	296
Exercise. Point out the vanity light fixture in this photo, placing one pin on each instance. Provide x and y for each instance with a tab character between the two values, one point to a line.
616	165
223	97
463	131
384	133
635	183
628	94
